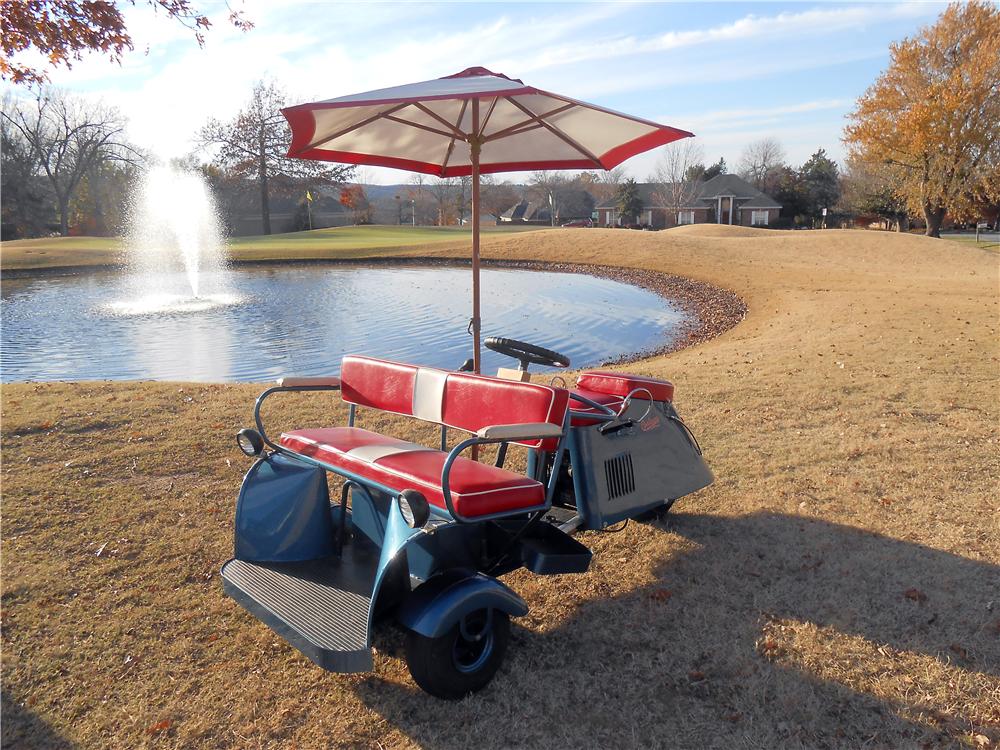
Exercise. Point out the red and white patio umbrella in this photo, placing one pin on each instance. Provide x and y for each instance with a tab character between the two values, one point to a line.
471	123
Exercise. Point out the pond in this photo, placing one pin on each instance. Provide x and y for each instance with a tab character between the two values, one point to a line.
301	319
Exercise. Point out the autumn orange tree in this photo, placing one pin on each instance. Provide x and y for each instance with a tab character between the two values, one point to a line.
62	30
932	119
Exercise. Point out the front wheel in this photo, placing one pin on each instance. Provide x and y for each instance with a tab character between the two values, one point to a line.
464	659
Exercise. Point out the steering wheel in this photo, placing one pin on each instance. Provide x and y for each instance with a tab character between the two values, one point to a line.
526	353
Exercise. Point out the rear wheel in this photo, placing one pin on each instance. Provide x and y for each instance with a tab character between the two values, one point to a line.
464	659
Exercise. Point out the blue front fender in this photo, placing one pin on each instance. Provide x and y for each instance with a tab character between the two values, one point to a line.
437	605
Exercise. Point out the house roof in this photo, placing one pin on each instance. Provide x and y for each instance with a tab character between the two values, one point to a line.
706	193
525	210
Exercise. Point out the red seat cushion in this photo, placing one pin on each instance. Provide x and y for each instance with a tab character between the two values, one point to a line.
476	489
622	384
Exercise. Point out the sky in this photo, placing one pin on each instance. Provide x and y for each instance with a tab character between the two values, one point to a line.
731	73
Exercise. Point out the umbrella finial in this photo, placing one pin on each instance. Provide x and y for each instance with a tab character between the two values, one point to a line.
478	70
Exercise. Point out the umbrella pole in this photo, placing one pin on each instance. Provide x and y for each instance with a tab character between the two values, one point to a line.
474	147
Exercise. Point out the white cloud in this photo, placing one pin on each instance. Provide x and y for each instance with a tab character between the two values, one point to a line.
816	22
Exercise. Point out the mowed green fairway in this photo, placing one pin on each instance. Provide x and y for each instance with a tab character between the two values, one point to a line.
339	242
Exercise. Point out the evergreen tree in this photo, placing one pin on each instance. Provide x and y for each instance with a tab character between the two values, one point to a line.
716	169
821	182
629	202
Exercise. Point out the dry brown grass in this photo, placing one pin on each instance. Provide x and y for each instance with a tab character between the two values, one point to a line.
839	585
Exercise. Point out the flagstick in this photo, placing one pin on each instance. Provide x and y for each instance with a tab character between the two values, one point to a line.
474	147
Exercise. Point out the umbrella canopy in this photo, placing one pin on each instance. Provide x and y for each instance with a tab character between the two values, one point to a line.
471	123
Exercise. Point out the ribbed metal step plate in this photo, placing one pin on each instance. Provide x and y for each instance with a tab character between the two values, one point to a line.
319	606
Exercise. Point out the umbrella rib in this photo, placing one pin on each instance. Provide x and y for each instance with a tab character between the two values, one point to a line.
428	128
517	128
521	127
451	143
355	126
430	113
489	113
556	131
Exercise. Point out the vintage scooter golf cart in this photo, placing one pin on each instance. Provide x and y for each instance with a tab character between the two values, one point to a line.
422	535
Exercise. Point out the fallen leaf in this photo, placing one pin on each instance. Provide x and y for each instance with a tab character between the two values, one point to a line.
695	676
959	650
661	595
159	727
915	595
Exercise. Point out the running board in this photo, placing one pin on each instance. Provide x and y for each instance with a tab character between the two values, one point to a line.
320	606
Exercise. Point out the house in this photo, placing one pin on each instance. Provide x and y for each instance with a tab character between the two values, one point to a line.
724	199
526	212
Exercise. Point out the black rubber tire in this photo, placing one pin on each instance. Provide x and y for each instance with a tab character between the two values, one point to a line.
435	668
525	352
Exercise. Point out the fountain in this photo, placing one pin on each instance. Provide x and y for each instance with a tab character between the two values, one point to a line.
173	246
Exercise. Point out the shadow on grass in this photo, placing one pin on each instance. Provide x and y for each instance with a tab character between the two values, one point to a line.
20	727
711	654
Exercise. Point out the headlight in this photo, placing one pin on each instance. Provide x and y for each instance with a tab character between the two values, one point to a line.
414	508
250	442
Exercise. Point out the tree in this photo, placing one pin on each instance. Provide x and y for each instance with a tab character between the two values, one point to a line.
790	190
496	197
933	116
628	200
99	207
761	162
463	195
443	190
573	201
62	30
821	180
422	209
716	169
677	178
68	137
867	191
253	145
27	203
544	188
355	199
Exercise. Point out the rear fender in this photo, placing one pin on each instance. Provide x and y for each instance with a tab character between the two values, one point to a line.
436	605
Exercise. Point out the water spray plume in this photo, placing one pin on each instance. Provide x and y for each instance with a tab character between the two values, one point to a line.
175	252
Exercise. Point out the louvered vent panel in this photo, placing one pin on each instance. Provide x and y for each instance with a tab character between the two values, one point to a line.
619	475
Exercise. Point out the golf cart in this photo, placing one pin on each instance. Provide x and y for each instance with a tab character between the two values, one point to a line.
420	535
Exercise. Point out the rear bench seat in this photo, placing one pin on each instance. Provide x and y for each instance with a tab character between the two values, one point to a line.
611	388
454	399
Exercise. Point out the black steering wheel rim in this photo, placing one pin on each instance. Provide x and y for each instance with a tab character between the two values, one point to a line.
526	353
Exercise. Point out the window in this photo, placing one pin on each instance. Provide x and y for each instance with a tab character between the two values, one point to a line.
759	218
685	217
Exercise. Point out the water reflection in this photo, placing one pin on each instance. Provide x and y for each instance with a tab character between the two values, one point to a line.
302	319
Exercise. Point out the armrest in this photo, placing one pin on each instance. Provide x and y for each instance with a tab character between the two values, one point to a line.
528	431
328	381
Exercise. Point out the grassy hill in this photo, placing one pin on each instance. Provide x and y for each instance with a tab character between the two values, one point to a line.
338	242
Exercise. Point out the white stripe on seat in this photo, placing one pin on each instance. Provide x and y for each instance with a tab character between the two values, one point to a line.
428	394
372	453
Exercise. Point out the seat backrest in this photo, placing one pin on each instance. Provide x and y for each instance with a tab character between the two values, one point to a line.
455	399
